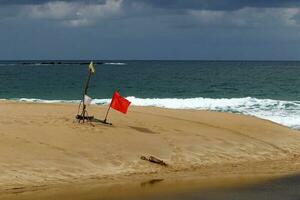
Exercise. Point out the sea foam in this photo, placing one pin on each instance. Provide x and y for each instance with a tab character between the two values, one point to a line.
283	112
115	63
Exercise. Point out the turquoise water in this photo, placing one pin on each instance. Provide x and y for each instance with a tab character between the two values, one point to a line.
266	89
153	79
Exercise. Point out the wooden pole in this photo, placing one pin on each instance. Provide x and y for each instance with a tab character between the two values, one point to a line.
85	93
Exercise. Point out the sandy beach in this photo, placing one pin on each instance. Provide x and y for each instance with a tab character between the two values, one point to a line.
44	153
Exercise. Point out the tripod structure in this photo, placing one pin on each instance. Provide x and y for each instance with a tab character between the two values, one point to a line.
83	116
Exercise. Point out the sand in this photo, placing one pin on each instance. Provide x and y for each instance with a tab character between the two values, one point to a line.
44	153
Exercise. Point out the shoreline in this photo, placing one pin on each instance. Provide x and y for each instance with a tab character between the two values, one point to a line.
42	149
244	106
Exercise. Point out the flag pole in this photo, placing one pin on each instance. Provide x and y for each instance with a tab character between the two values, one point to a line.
118	103
85	93
105	119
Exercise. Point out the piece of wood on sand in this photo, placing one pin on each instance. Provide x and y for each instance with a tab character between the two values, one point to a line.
154	160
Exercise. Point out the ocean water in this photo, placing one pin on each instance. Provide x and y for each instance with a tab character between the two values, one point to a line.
265	89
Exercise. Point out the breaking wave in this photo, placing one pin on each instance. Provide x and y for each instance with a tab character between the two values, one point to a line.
115	63
33	100
283	112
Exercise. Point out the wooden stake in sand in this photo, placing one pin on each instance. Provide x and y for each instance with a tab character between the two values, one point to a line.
154	160
84	114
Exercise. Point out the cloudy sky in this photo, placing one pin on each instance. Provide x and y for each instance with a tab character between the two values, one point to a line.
150	29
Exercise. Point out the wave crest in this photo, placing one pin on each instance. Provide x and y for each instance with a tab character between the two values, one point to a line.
115	63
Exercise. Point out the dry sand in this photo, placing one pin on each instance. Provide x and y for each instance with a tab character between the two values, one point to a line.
45	154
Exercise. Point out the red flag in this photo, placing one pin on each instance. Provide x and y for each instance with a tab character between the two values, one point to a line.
119	103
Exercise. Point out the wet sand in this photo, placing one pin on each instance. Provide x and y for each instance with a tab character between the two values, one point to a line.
44	154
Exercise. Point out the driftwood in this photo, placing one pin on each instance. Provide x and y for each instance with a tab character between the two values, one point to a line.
80	117
154	160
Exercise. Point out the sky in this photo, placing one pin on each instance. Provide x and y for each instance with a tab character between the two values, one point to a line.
150	29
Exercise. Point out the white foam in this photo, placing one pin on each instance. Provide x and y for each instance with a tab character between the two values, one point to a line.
283	112
115	63
33	100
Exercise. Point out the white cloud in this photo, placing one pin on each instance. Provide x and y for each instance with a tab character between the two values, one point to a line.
52	10
86	13
75	13
207	17
77	22
111	7
248	17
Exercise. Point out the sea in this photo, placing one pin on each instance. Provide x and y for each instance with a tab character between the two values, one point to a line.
265	89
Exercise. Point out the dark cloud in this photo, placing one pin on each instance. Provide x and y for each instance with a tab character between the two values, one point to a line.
220	4
181	4
150	29
38	2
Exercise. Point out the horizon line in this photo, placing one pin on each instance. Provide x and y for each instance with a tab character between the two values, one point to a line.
201	60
